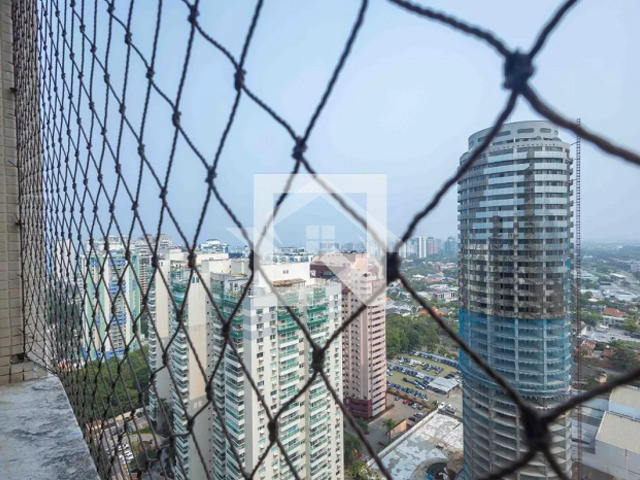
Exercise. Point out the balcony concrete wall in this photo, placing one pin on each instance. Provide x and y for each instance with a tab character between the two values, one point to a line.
11	321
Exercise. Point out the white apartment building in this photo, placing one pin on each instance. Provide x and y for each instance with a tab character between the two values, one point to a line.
273	349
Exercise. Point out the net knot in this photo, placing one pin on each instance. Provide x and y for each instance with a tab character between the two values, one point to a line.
518	69
211	175
238	79
175	118
536	431
393	267
299	149
226	330
317	360
193	14
273	430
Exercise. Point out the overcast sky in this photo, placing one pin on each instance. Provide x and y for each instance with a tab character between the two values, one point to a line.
411	93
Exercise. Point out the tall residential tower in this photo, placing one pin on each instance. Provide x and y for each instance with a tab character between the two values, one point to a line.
274	351
514	210
111	299
364	353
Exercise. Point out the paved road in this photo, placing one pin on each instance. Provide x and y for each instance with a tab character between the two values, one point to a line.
612	334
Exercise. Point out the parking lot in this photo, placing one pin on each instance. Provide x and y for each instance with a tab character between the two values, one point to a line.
413	373
446	369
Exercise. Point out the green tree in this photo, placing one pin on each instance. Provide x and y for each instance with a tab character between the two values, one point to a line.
140	462
630	325
352	446
113	386
410	333
389	424
624	357
591	318
394	342
360	471
364	426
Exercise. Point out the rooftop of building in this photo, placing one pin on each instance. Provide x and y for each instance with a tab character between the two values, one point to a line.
437	438
288	282
613	312
626	395
445	384
620	431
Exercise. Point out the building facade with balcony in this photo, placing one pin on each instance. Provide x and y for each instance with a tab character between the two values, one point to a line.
111	299
279	359
274	351
514	207
364	353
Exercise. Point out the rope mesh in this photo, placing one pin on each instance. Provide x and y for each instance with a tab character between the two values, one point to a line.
75	123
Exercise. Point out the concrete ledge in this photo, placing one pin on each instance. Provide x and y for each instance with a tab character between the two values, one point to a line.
39	436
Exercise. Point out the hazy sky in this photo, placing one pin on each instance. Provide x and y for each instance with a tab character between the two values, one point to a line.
409	96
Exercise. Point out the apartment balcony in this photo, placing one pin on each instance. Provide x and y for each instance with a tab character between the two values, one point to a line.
31	449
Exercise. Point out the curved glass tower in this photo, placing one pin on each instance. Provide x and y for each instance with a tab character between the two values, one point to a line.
514	209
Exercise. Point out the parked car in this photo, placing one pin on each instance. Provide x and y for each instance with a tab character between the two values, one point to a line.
397	398
412	419
406	402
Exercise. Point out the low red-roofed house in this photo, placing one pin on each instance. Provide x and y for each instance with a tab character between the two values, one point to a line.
613	316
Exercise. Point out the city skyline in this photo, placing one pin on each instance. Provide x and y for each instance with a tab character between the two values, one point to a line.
411	133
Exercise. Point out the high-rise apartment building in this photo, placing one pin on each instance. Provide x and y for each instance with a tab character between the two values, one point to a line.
364	340
418	246
450	246
432	246
514	222
111	299
274	350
